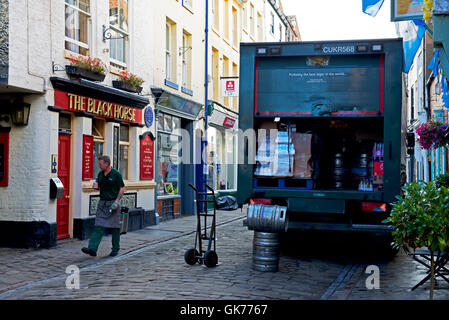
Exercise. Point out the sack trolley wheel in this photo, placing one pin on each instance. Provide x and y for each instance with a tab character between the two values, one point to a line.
197	254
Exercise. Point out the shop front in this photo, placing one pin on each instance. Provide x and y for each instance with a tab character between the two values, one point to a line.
92	119
222	137
175	164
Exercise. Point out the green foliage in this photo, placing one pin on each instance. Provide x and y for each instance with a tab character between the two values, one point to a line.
421	217
443	180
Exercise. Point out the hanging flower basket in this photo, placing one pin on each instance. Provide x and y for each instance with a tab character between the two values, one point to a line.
433	134
119	84
86	67
129	82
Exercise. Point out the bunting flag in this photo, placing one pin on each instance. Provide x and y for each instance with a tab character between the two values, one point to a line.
372	7
434	63
411	40
445	91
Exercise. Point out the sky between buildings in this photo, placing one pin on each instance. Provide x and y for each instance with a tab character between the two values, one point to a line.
339	20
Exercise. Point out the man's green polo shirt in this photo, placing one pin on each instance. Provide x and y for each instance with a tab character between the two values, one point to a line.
110	184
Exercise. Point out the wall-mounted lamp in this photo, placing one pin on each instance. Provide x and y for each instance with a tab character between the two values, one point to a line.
20	114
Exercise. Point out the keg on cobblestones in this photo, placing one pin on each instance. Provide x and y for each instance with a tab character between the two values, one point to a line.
266	246
267	218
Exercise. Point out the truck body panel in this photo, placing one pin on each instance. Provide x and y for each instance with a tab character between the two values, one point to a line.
346	93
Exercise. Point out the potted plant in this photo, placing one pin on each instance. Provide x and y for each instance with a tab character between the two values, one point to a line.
421	219
433	134
129	82
87	68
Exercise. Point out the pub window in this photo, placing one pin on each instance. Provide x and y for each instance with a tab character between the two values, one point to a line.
124	151
118	21
77	24
98	126
65	123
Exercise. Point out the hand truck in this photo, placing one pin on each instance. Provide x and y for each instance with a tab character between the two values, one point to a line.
209	257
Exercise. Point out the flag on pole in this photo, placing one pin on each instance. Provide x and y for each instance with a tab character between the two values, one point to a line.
411	41
371	7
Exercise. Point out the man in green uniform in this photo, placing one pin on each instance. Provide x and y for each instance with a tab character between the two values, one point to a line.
110	183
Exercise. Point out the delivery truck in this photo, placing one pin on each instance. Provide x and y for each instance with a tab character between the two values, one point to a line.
321	133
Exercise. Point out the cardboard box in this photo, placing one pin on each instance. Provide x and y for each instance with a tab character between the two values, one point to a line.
378	180
303	153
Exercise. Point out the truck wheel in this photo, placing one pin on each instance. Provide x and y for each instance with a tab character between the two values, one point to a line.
210	259
190	256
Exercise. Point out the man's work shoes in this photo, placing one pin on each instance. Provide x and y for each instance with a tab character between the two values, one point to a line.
113	253
89	252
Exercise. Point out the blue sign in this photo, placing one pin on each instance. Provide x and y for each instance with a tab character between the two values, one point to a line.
148	116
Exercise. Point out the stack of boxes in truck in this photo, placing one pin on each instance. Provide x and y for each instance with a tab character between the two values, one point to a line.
378	169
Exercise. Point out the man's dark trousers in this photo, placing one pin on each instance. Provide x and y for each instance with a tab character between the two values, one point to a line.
97	235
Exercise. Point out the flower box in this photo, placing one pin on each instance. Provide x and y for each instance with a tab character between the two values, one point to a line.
78	72
126	86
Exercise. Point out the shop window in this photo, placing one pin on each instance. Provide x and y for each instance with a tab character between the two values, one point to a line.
124	151
118	22
98	126
77	16
169	154
222	167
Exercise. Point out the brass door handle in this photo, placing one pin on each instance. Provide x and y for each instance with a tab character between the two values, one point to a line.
67	197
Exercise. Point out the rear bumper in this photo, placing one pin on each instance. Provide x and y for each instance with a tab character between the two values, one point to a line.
340	227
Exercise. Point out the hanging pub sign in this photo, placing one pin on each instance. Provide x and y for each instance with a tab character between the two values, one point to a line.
88	157
4	156
146	157
406	10
99	108
230	86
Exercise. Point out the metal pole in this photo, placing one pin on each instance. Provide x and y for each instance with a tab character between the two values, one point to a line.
206	87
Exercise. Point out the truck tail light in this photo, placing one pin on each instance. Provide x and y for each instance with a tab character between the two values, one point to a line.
374	206
260	201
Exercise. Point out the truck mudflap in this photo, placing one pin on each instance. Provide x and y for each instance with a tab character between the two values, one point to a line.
375	228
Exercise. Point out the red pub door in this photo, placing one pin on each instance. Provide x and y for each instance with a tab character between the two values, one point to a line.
62	210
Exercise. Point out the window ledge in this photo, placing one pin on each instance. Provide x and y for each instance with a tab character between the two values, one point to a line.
69	54
129	185
170	84
115	70
187	91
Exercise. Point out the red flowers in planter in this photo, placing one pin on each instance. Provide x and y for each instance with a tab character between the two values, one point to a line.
89	63
131	79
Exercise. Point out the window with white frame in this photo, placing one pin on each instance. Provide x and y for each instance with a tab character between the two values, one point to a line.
280	32
272	24
118	22
186	60
235	37
170	44
245	17
251	19
216	9
77	25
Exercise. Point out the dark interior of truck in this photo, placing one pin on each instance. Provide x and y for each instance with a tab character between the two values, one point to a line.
327	153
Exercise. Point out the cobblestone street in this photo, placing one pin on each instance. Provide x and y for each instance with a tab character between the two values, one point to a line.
151	266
